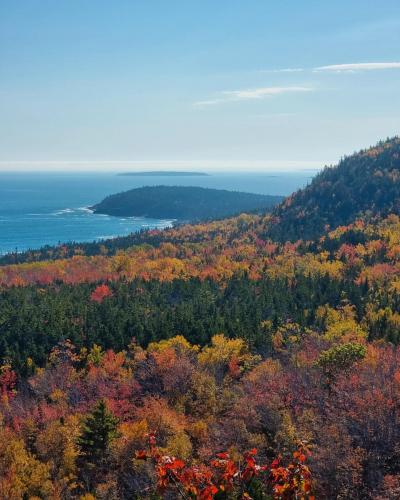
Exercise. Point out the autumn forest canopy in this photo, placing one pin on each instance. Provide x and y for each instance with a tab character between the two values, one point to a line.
255	356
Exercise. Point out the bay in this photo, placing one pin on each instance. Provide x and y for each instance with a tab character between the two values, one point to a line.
48	208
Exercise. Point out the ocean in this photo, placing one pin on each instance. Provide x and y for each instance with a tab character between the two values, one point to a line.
43	208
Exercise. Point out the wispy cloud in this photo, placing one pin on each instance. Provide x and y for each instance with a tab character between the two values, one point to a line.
264	92
251	94
354	67
340	68
284	70
209	102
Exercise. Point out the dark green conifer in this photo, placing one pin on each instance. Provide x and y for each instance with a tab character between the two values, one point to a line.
98	430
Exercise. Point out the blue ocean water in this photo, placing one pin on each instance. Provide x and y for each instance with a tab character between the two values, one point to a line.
43	208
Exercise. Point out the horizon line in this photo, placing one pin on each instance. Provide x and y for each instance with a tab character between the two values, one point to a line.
113	165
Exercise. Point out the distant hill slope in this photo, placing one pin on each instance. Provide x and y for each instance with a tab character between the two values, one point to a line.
367	182
183	203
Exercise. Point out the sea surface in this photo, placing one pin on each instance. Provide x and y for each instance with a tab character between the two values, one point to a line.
43	208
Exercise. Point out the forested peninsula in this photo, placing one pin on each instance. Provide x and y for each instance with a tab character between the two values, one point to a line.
183	203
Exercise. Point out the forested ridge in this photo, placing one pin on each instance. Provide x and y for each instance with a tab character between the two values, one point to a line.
183	203
363	184
213	360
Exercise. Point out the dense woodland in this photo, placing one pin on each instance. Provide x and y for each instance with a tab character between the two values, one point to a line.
362	184
183	203
213	360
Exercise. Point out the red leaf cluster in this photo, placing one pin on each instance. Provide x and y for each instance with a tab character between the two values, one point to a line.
100	293
224	475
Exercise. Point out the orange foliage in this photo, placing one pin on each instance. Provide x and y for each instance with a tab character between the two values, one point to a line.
100	293
221	249
224	475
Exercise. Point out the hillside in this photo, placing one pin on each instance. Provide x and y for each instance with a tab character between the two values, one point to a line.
182	203
366	183
209	358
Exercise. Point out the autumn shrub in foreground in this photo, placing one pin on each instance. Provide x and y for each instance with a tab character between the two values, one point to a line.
223	476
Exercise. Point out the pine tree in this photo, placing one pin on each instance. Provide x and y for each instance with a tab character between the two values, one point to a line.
98	430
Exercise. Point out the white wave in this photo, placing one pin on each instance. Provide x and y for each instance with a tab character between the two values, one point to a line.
63	211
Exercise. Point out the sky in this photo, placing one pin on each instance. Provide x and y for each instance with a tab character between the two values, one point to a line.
213	84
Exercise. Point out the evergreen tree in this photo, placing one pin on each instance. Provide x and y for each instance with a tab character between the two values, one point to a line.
98	430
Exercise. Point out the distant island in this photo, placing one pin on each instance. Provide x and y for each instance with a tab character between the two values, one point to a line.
183	203
165	173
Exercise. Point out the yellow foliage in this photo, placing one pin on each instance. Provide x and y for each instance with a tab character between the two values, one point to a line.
266	370
395	286
134	431
160	418
340	324
198	430
95	355
286	336
222	350
287	433
204	395
56	446
179	445
178	343
346	331
21	475
58	396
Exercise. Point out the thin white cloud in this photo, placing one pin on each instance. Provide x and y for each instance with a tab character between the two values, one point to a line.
339	68
282	70
251	94
209	102
289	70
354	67
263	92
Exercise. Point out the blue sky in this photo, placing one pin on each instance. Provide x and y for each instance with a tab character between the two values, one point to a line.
221	84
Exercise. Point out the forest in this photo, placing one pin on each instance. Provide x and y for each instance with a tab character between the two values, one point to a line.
184	203
220	359
361	184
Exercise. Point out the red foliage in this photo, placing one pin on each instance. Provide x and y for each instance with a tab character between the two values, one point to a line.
224	475
234	368
100	293
8	381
